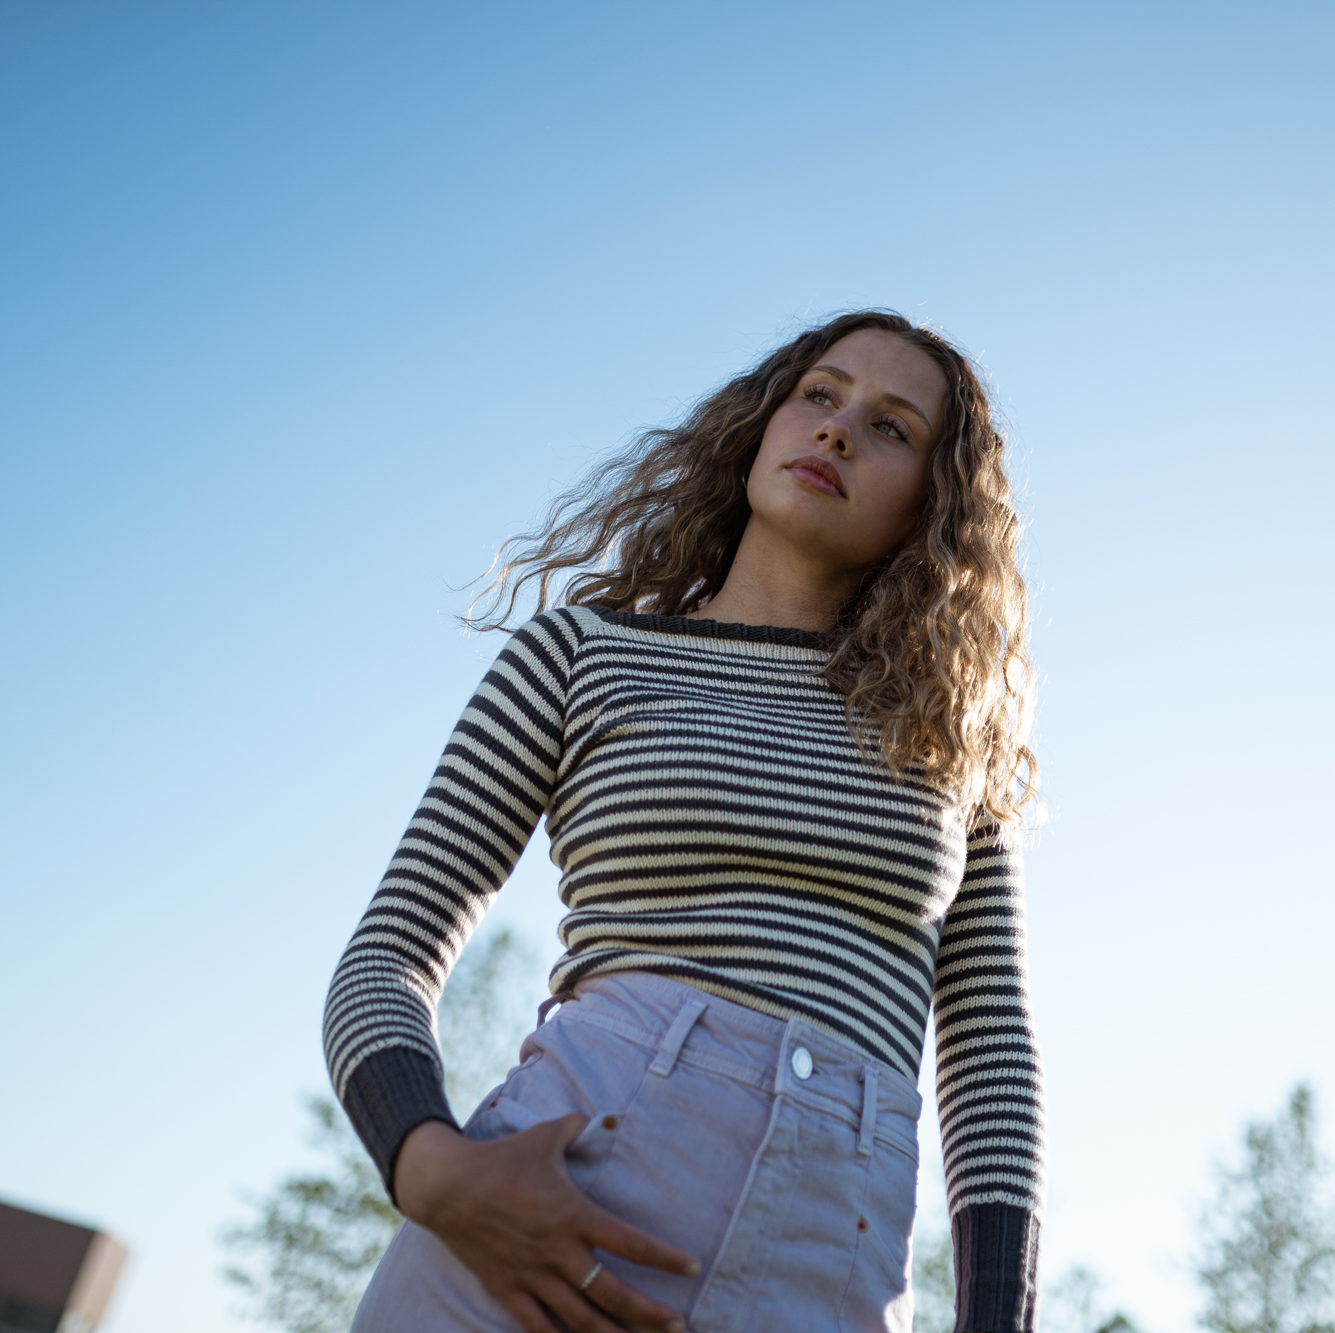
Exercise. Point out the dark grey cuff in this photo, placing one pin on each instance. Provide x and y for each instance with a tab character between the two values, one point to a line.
390	1093
996	1269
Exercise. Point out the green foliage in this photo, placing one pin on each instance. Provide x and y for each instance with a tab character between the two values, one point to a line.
316	1237
489	1005
1074	1303
933	1281
1267	1260
307	1253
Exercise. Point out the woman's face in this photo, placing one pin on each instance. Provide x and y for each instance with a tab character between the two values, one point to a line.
842	468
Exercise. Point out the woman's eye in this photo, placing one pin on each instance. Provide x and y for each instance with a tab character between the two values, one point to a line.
893	429
816	392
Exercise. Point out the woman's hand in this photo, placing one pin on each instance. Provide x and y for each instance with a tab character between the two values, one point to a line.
509	1212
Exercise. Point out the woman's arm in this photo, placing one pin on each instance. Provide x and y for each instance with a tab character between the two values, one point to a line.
507	1209
489	790
990	1093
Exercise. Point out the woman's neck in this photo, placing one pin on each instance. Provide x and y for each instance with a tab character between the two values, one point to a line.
769	583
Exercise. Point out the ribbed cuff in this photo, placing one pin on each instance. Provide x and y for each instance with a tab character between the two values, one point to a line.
389	1093
996	1269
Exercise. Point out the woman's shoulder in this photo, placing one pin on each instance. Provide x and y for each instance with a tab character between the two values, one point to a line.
547	643
564	621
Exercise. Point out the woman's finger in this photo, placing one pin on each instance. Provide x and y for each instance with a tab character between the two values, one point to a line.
608	1232
633	1308
574	1307
529	1313
564	1130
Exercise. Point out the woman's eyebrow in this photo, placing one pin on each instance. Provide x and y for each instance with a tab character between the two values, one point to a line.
834	372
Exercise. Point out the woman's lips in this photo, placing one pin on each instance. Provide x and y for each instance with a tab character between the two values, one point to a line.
818	473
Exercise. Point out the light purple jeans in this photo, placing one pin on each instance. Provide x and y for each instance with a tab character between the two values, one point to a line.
781	1156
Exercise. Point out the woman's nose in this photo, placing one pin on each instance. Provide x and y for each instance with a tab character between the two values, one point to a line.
835	431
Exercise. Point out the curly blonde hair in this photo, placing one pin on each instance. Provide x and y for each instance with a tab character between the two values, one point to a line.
930	652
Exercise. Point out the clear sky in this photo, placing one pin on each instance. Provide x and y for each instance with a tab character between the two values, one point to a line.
306	306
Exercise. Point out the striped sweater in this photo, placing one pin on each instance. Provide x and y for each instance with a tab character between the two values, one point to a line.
714	821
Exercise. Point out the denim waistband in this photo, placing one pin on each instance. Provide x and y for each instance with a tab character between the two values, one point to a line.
790	1056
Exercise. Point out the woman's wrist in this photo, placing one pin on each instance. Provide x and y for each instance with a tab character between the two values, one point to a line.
428	1160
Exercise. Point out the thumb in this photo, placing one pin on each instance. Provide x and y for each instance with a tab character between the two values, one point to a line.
563	1131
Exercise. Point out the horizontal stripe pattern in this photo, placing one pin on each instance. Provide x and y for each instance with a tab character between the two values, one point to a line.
714	821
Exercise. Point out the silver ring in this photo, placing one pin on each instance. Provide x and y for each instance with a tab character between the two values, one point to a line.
593	1273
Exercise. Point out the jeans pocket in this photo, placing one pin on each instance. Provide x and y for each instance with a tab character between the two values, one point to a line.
567	1069
501	1111
879	1294
678	1161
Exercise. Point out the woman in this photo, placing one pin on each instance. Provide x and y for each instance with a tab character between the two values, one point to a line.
778	738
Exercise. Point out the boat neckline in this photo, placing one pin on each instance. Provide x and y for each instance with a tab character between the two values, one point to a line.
788	635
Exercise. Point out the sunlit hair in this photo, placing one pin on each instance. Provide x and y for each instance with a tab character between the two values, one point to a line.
931	650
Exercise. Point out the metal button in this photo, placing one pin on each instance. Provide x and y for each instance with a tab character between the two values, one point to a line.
802	1062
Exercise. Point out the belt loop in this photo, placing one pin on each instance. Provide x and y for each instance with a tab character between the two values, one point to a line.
674	1038
550	1003
868	1126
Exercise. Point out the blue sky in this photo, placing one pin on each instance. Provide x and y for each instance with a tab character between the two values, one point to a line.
307	307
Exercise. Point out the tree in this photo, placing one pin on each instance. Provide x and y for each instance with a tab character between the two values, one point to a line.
309	1251
1073	1304
1267	1260
317	1237
933	1281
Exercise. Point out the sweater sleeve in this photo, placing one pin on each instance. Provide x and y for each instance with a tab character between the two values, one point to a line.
494	780
990	1093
